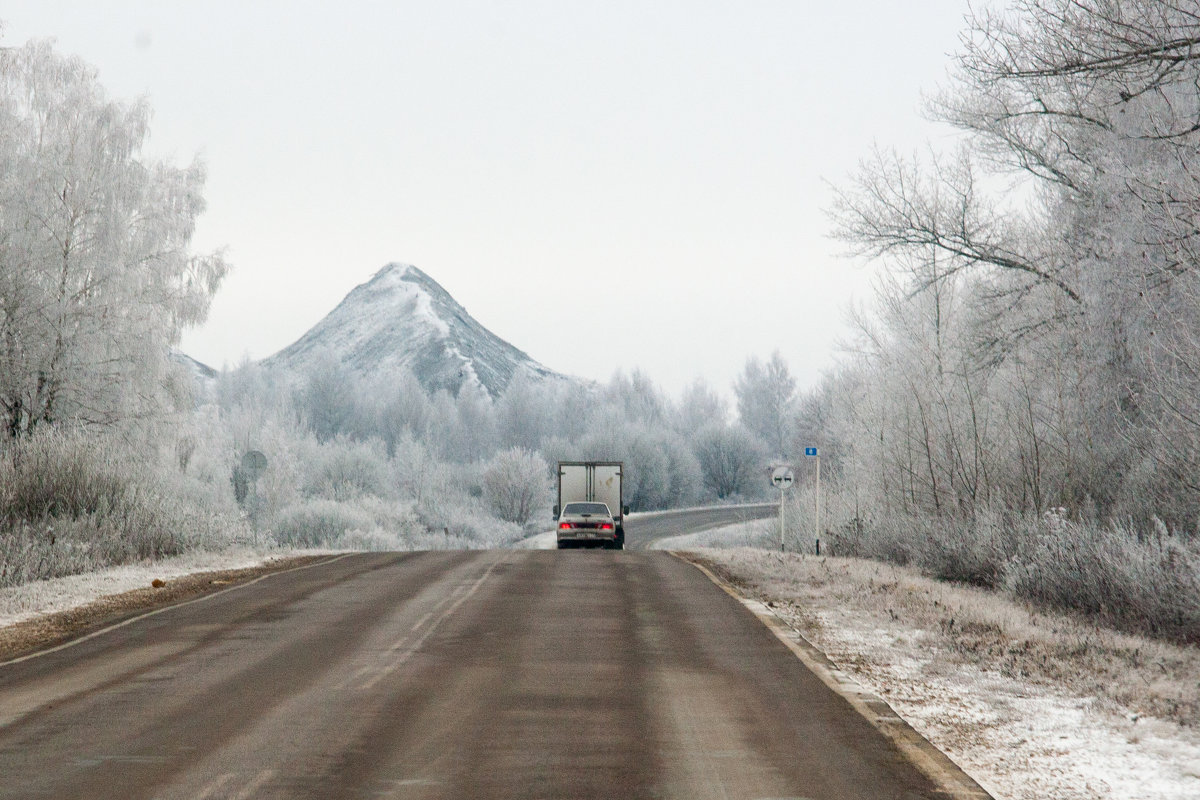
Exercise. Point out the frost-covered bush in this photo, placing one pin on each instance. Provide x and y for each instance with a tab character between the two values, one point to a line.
362	523
892	538
1148	583
343	469
57	473
468	522
972	551
319	522
72	501
516	485
1145	583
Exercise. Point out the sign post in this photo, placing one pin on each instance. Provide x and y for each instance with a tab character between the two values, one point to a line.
254	463
782	478
811	452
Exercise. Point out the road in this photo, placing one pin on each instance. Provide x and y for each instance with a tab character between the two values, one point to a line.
642	530
497	674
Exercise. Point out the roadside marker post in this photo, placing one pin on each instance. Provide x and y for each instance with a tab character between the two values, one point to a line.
811	452
782	478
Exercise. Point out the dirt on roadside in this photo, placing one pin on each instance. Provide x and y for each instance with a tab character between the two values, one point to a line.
46	631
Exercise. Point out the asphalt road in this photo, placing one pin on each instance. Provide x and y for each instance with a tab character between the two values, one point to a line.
502	674
642	530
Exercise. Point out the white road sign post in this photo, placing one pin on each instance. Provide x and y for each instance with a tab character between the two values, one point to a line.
782	479
811	452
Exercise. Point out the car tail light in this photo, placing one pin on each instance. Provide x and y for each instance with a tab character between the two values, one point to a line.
564	526
605	527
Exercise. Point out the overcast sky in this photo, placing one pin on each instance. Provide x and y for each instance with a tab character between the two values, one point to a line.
607	185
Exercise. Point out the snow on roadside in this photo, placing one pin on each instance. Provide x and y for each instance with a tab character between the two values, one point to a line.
540	541
19	603
1020	739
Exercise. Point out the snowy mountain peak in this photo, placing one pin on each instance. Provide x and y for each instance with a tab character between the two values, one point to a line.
403	319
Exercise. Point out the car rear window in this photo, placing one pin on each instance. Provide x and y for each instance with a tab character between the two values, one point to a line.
586	508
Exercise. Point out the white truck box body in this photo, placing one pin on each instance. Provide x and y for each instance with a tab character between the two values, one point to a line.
592	482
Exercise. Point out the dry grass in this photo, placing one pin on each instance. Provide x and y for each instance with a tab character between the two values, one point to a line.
71	502
1128	674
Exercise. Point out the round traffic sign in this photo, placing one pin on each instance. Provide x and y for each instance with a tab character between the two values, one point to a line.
782	478
254	462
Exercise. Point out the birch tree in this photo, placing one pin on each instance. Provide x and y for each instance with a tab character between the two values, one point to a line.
97	279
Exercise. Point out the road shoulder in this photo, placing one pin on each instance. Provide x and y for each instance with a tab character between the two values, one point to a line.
43	631
935	764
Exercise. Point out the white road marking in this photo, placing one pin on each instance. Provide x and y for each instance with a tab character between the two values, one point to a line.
408	651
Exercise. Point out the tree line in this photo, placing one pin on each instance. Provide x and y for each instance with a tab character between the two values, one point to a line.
1023	393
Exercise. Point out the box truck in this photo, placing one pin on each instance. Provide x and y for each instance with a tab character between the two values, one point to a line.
584	486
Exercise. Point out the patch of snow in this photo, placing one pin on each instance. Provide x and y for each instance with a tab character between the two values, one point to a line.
540	541
1021	741
754	533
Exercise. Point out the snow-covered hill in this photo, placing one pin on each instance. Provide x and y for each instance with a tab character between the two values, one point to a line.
402	319
203	377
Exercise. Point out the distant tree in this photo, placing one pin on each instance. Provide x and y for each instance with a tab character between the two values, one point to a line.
637	396
731	460
402	409
418	472
516	484
344	469
700	406
765	397
524	414
473	434
97	280
328	397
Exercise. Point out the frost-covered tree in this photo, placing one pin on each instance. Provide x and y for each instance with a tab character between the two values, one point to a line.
700	406
765	395
516	484
637	396
402	410
329	396
473	435
97	279
1062	236
731	460
524	413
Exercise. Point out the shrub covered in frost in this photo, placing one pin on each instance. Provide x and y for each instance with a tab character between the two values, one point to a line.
71	501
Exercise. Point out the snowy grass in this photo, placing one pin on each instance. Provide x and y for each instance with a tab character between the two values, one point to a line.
762	533
72	502
1033	704
1145	582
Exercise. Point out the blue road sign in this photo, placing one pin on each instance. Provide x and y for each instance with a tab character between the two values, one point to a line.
810	451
